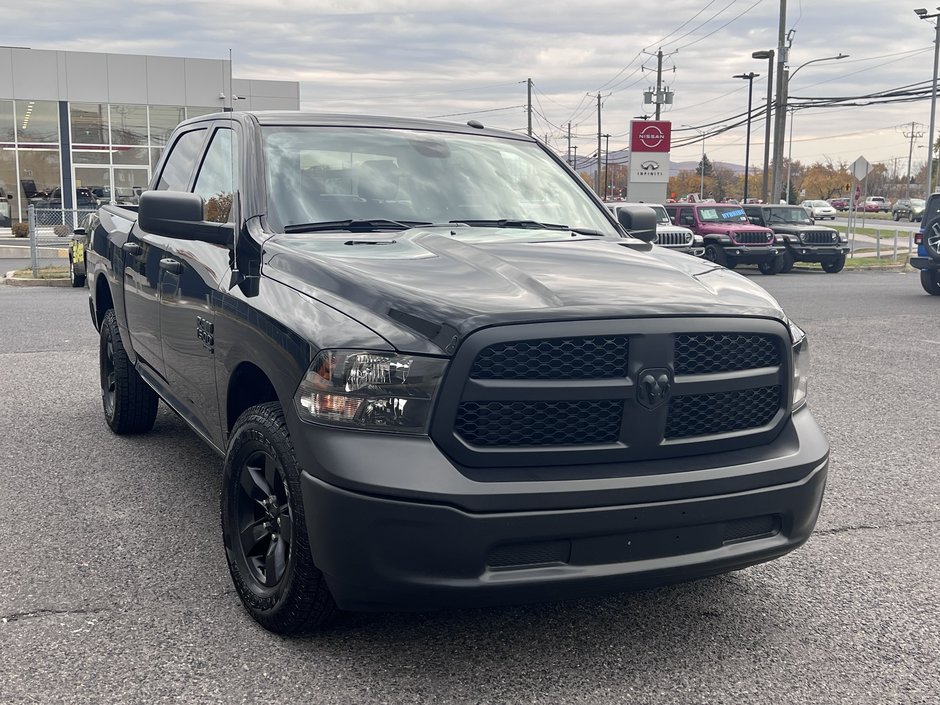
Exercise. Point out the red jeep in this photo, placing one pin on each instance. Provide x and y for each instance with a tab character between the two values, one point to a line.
730	238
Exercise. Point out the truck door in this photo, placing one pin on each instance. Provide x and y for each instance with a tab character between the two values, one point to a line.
144	252
191	272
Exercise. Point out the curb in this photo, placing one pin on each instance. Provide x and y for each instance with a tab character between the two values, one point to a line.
9	280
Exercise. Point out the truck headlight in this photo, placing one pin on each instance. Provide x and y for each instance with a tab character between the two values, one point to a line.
368	389
800	364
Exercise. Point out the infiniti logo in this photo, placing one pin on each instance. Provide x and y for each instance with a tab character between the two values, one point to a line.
653	386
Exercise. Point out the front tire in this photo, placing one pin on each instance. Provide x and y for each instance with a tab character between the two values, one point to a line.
130	405
714	253
265	530
772	266
930	280
834	265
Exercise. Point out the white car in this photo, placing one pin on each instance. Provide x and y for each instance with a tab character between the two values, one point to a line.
673	237
818	210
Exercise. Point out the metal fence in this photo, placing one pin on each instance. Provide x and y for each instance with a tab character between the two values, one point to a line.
50	231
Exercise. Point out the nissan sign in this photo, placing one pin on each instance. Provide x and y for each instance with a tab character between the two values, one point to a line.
650	136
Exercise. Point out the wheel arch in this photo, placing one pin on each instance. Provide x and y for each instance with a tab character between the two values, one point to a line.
248	386
103	300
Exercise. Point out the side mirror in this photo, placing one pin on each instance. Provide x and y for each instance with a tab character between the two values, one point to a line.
179	215
638	221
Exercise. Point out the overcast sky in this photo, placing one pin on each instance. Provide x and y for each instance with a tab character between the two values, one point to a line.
427	58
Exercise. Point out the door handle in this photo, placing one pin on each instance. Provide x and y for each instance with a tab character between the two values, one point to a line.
171	265
131	248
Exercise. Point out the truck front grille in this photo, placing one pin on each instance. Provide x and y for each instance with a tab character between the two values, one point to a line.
667	239
752	237
517	398
594	357
818	237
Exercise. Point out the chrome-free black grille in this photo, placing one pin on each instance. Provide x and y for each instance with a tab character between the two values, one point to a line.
818	237
593	357
721	412
752	237
539	423
703	353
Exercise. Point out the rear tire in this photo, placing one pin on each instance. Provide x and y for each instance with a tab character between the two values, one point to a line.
77	280
930	280
264	528
130	405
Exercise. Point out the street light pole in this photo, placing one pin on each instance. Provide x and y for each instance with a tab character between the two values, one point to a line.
931	138
781	117
768	54
749	77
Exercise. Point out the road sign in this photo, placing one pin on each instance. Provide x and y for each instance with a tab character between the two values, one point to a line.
860	168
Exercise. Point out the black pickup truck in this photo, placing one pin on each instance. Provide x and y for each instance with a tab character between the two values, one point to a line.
440	373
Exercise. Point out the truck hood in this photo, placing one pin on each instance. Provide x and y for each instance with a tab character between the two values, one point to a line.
794	229
424	290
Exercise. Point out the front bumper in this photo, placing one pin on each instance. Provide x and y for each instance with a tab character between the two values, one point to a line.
750	253
811	253
399	547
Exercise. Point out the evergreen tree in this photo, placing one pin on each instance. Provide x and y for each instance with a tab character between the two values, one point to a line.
706	165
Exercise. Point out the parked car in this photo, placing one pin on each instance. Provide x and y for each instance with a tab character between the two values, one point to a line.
910	208
819	210
804	241
729	237
876	204
5	201
840	204
927	240
77	245
424	397
673	237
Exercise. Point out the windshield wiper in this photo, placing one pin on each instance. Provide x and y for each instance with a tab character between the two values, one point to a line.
363	226
525	224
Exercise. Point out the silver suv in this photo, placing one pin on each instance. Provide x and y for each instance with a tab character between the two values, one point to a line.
673	237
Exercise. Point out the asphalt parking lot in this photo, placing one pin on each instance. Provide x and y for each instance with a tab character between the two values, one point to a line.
114	587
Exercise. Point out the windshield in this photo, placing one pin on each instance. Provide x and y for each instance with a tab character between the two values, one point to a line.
388	178
662	217
722	214
789	215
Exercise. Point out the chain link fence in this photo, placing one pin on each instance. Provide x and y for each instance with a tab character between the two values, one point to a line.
50	232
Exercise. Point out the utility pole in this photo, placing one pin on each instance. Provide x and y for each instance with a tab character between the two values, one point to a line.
914	135
569	143
659	78
781	110
606	166
932	137
658	96
575	148
528	83
597	179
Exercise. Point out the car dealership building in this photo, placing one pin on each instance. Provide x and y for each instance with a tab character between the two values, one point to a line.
84	123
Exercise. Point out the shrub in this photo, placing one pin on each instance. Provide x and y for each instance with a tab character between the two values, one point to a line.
20	229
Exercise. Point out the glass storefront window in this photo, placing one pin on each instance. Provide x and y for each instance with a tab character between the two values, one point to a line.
89	123
91	155
155	155
7	127
129	155
9	193
39	177
37	121
129	124
163	120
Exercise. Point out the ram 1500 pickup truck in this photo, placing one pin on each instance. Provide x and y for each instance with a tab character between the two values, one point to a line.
441	373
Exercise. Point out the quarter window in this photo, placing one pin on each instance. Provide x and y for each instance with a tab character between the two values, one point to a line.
216	182
181	162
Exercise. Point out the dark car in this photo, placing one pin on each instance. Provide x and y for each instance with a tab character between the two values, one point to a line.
910	208
84	199
804	241
840	204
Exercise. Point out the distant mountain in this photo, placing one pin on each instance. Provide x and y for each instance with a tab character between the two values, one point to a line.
676	167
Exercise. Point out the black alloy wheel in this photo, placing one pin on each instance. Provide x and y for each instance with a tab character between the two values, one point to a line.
264	528
263	517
